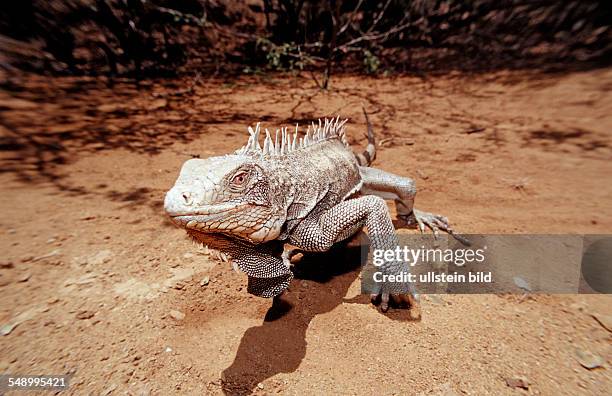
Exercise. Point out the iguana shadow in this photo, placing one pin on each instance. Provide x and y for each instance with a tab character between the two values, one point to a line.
278	345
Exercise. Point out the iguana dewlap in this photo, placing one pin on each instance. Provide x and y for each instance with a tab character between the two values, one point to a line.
309	191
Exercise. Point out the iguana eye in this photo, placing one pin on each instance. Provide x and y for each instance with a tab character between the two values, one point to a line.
239	178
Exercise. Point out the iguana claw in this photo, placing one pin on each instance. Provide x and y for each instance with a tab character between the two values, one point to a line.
399	300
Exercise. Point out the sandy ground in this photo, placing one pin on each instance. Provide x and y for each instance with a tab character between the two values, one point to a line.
92	271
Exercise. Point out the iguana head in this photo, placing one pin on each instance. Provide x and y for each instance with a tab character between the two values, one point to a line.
230	194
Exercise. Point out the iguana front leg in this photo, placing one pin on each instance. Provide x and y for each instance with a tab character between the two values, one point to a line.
268	273
319	232
402	190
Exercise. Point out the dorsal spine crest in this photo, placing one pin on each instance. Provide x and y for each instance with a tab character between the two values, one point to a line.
283	144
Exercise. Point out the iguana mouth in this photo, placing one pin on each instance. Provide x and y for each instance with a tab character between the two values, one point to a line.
201	218
192	221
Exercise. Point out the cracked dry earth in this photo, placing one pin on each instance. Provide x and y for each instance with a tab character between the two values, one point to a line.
97	283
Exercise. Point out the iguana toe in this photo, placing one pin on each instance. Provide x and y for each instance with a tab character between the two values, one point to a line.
432	221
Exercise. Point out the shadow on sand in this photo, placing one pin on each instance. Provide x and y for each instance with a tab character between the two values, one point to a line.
278	345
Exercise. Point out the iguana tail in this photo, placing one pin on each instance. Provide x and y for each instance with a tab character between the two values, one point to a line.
369	154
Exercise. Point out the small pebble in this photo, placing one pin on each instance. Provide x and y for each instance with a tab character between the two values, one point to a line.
6	264
25	277
177	315
588	360
84	314
517	382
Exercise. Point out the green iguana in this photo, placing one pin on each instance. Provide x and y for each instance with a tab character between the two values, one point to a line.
309	192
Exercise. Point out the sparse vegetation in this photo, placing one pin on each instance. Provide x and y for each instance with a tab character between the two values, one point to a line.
136	37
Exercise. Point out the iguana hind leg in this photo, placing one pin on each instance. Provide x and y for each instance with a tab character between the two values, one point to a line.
319	232
402	190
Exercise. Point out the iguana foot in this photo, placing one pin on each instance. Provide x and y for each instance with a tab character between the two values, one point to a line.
433	221
407	300
290	256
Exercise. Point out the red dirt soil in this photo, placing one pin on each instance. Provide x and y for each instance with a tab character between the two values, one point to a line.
96	270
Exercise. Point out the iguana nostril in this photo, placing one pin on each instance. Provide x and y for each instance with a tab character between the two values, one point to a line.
187	198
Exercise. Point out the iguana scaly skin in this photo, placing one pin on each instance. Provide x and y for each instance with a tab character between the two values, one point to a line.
309	192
